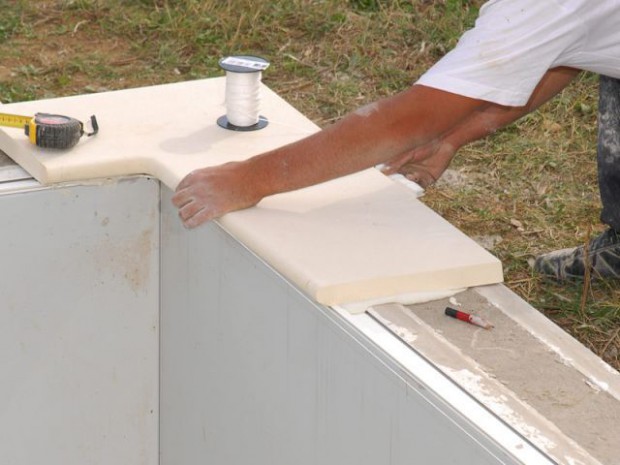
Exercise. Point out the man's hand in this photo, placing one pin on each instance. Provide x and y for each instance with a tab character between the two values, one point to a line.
423	165
209	193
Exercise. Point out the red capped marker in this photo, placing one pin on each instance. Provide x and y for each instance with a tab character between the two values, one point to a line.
472	319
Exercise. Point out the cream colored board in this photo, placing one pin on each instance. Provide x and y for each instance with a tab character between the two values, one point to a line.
356	238
166	131
362	237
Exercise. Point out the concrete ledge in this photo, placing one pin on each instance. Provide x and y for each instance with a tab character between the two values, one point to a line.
527	371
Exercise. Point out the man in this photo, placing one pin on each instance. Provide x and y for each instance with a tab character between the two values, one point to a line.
519	55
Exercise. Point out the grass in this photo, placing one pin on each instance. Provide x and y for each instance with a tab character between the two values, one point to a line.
533	185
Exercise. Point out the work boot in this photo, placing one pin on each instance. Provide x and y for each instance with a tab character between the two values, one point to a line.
601	255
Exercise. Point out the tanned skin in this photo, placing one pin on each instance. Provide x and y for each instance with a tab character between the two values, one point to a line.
418	130
425	164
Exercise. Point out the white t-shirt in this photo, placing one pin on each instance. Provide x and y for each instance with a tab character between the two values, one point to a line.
515	42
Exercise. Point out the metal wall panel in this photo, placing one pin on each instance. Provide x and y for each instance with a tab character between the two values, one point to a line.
254	372
79	329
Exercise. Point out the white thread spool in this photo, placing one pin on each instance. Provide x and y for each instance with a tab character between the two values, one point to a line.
243	77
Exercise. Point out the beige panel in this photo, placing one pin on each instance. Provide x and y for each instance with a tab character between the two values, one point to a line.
166	131
362	237
356	238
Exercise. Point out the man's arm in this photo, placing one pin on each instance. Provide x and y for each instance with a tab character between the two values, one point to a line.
426	164
365	138
403	124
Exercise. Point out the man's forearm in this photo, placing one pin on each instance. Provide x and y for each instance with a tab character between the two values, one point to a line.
488	119
369	136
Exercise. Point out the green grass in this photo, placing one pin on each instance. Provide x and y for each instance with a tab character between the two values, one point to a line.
9	21
327	58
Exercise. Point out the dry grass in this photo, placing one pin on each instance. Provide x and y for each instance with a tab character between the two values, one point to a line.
533	184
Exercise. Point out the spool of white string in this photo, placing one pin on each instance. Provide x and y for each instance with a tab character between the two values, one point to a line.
243	98
243	78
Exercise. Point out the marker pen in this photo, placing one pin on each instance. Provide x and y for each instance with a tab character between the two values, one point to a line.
472	319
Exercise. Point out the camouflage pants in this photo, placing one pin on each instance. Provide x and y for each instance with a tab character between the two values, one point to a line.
608	150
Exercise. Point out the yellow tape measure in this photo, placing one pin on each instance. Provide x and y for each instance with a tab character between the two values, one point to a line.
50	131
